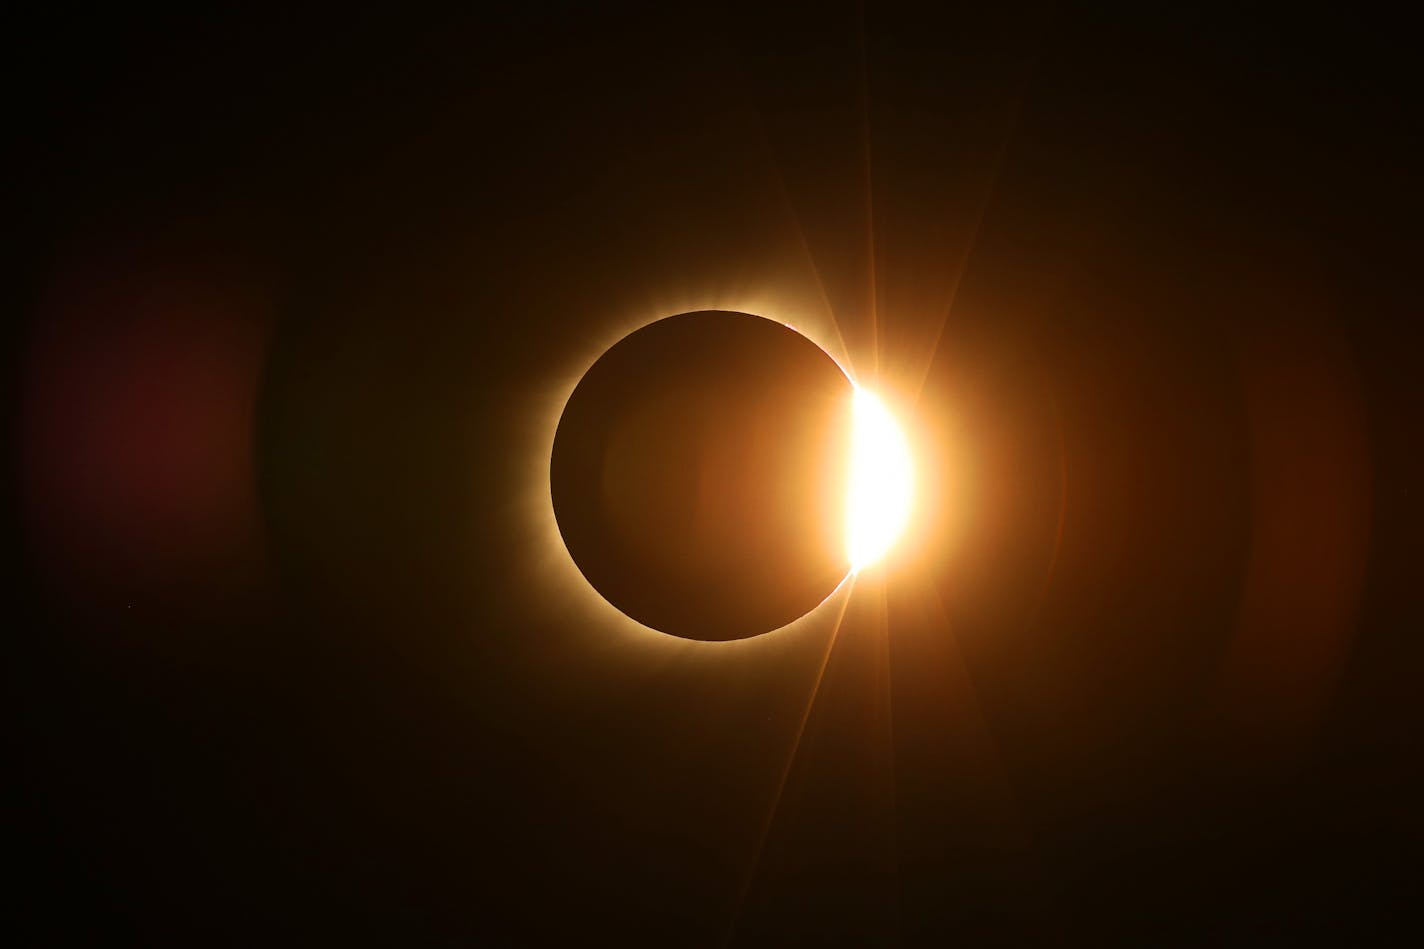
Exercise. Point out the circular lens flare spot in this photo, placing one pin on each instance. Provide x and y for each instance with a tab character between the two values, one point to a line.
881	481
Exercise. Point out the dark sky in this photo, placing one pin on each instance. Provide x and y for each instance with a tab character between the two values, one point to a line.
298	297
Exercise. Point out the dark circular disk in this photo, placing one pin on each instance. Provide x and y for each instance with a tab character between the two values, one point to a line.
698	475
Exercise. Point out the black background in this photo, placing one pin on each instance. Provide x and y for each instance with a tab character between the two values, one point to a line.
389	737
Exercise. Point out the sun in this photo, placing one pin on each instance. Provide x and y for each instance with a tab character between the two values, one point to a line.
881	483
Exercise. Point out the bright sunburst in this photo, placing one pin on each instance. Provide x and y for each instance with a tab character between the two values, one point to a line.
881	481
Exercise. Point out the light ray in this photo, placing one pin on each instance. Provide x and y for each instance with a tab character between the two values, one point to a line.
764	831
874	293
784	190
990	190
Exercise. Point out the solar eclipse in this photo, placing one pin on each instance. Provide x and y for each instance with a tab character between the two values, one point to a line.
716	475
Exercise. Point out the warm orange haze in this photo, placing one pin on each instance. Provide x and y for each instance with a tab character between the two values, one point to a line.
714	475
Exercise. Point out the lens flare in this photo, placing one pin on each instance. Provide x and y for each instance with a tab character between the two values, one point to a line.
881	481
